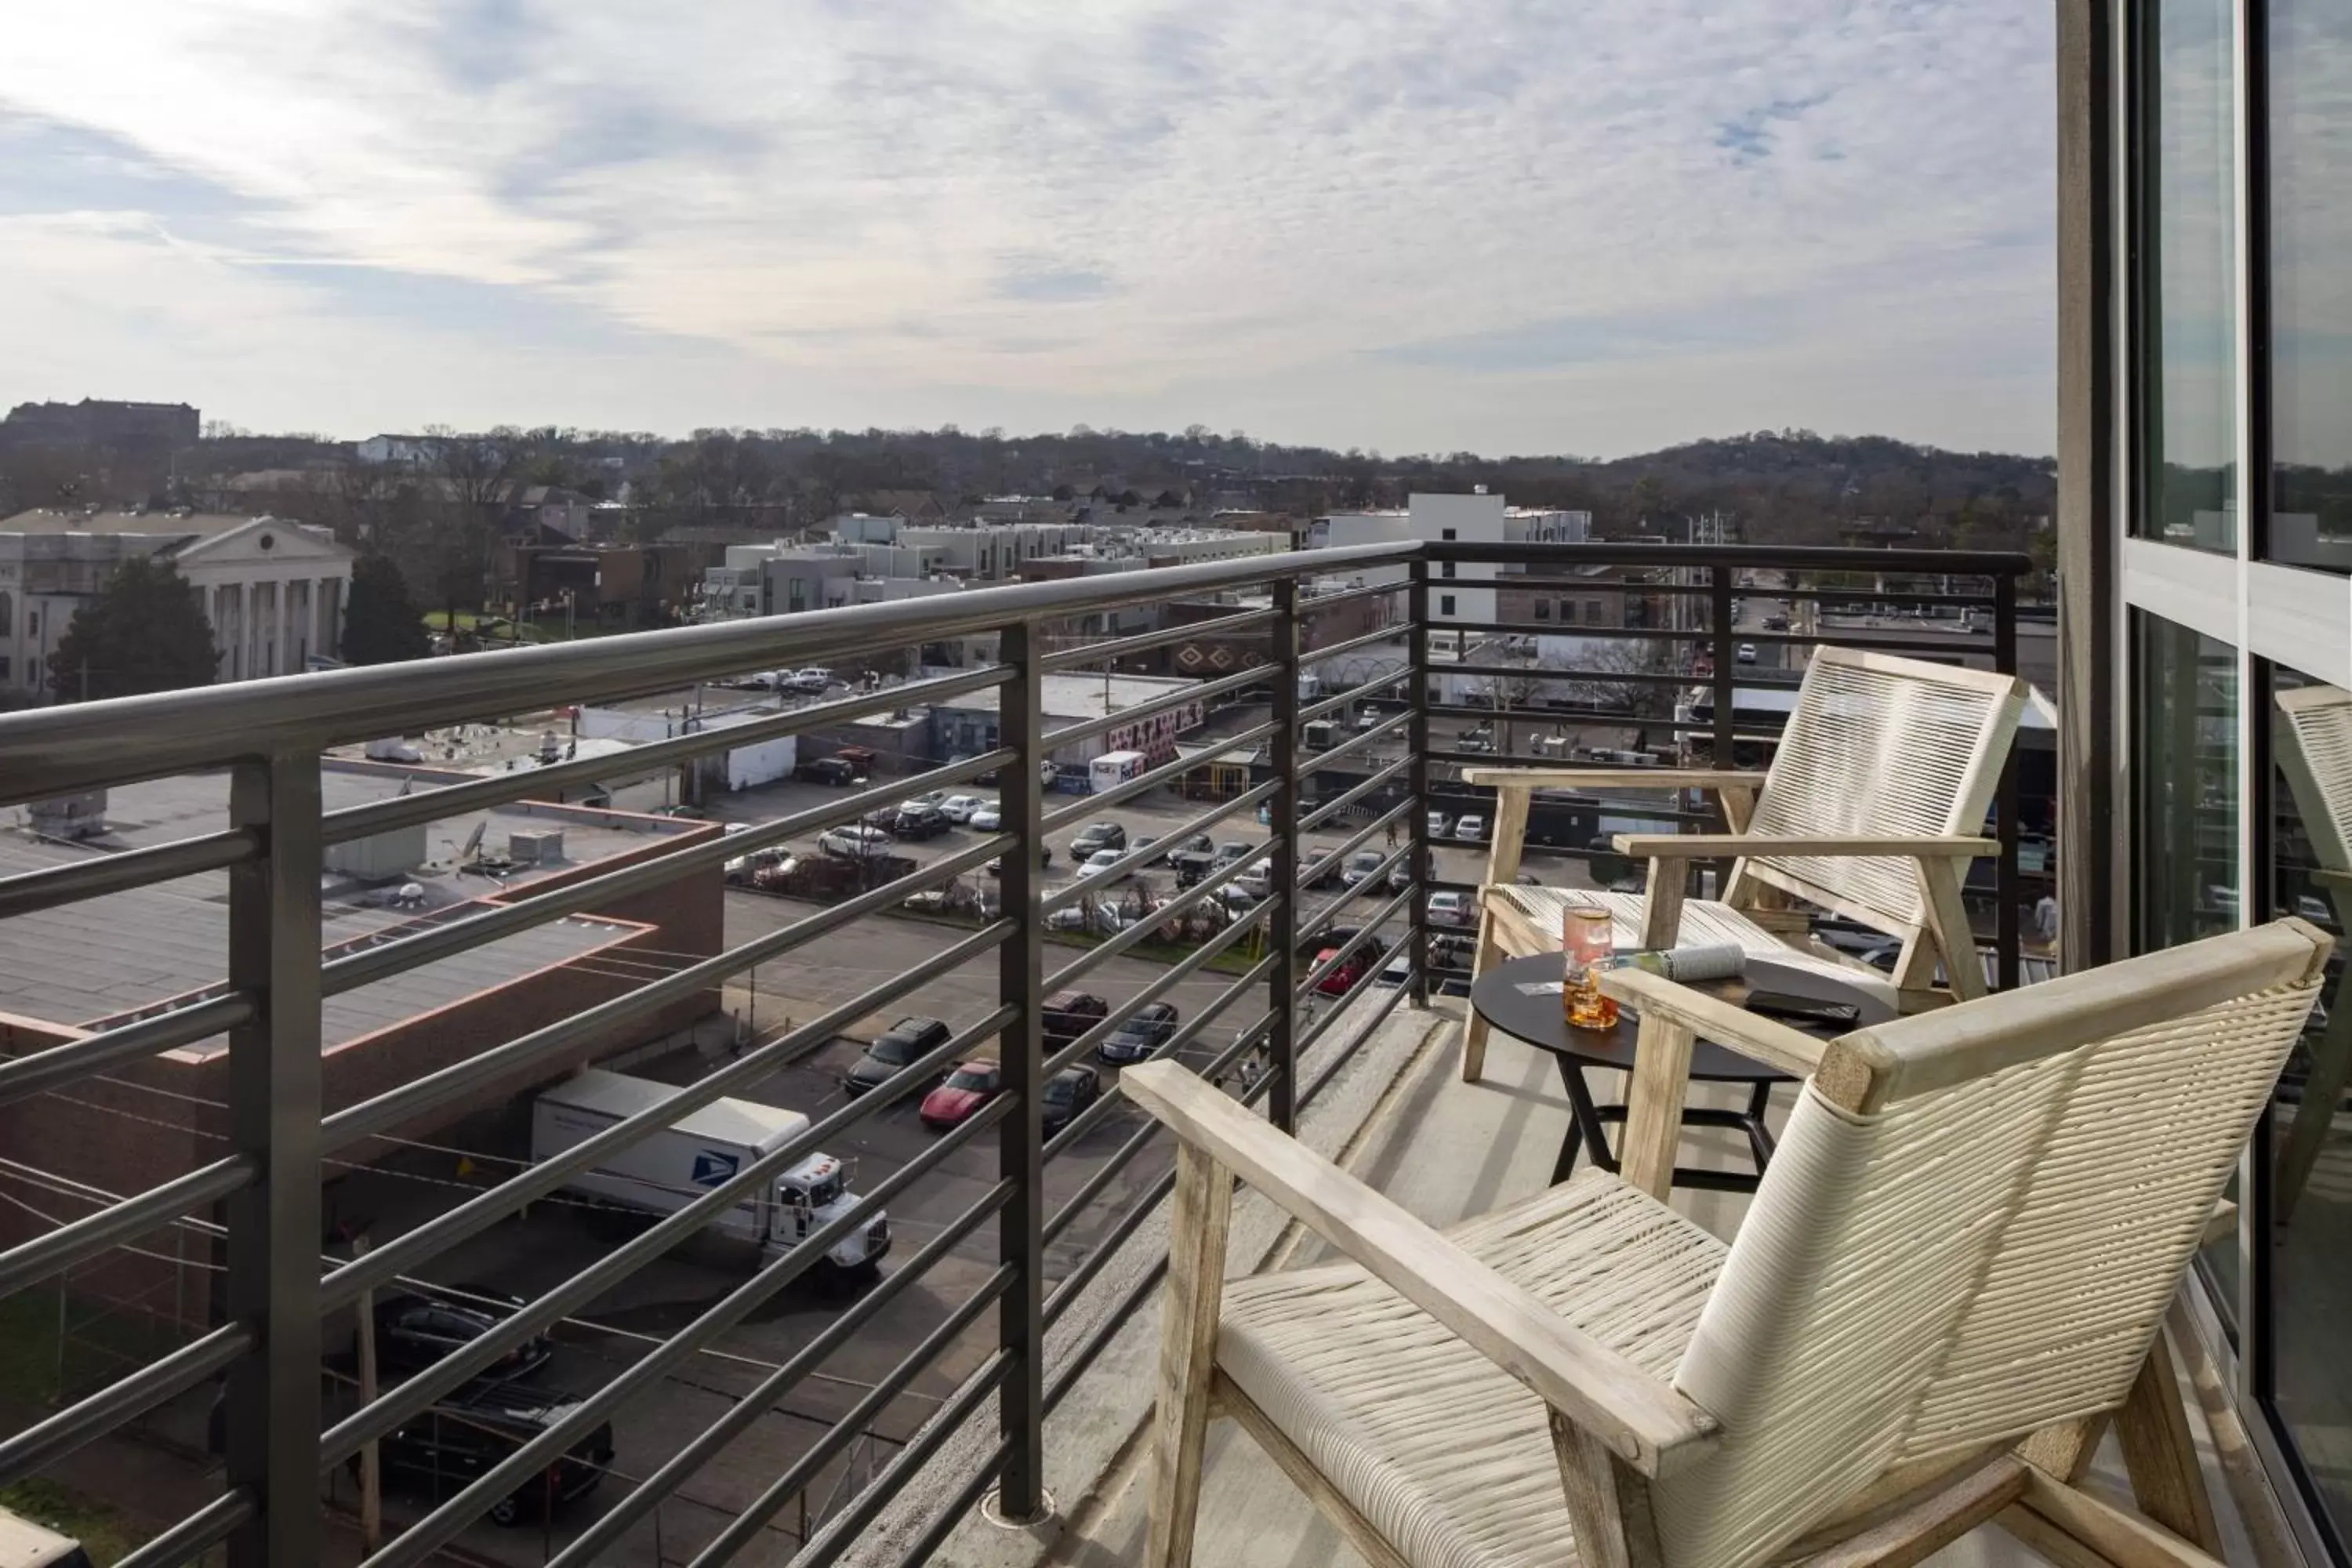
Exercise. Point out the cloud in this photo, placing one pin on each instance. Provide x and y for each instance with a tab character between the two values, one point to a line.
1324	220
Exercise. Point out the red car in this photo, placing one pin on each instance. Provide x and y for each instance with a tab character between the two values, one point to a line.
1344	979
963	1091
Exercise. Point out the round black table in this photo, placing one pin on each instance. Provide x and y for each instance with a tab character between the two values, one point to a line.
1522	997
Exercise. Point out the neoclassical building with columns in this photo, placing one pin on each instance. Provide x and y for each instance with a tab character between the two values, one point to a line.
274	590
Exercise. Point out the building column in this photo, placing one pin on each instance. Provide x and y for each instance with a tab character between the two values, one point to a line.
331	617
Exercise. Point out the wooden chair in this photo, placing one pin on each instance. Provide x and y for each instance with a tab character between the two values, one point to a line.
1871	808
1954	1277
2313	741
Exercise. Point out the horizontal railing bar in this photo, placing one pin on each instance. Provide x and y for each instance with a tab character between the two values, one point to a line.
1185	1034
741	1416
1315	818
1379	1015
1144	782
1315	710
26	1452
81	745
80	1240
1143	642
846	1526
457	800
1750	557
1349	645
1133	861
1541	629
21	1076
395	1106
365	966
583	1412
856	1419
1054	739
410	1250
26	892
1382	731
1246	1038
1543	673
1321	602
1872	595
199	1533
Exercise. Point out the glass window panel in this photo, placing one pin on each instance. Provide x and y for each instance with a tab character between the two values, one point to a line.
2189	319
2187	784
2310	1142
2311	283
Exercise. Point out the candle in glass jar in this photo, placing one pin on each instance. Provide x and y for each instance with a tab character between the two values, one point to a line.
1587	937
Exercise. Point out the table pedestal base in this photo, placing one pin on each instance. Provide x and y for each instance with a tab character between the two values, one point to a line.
1587	1130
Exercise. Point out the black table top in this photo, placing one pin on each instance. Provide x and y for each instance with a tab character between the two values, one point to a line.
1522	998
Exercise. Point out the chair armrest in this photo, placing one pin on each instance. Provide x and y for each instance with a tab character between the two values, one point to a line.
1602	778
1714	846
1636	1418
1766	1040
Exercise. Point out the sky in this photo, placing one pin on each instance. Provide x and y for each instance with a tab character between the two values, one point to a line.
1506	225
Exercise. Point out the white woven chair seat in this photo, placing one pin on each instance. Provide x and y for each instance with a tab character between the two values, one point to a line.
1704	923
1446	1455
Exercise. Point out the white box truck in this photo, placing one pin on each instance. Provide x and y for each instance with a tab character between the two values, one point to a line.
670	1168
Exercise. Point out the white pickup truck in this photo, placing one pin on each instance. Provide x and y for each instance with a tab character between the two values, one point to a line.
669	1169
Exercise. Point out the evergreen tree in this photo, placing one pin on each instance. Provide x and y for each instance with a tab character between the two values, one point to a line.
145	631
382	623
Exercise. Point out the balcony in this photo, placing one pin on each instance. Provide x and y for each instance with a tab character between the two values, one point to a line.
277	1047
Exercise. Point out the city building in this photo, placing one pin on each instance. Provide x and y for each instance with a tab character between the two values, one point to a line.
1461	591
101	422
398	451
966	726
273	590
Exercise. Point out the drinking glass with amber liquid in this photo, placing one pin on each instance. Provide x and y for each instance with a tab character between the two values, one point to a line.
1586	936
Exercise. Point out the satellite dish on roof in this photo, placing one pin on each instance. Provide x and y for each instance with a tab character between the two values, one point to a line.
473	840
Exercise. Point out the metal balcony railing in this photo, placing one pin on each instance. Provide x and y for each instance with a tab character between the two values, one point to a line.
1420	691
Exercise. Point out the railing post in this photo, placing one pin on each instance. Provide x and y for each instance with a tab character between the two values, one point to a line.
272	1401
1021	983
1417	772
1720	579
2005	880
1281	1104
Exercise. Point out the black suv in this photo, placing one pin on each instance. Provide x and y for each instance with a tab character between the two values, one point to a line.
440	1451
892	1049
825	771
1096	835
1066	1094
414	1331
1141	1034
920	822
1069	1014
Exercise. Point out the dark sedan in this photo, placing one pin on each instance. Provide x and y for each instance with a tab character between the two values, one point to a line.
1069	1093
892	1049
1140	1034
414	1331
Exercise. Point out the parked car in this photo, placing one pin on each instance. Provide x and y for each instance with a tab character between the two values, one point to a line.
1747	653
893	1048
1096	835
1044	857
855	841
412	1332
1440	824
1452	908
1069	1014
1106	920
1066	1094
1143	1032
813	681
988	818
962	1092
832	771
444	1448
1317	869
1198	843
917	821
1257	881
1362	866
1230	851
1482	744
1470	829
1366	960
744	868
1149	843
958	809
1102	860
1776	622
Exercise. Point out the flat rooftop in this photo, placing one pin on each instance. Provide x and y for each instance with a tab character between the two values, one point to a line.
103	959
1079	696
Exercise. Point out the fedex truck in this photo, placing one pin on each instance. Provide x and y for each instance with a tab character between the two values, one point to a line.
1115	768
666	1170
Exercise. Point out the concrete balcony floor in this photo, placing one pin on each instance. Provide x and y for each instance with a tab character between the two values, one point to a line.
1445	1149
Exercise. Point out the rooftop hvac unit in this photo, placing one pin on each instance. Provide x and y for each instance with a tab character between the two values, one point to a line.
538	846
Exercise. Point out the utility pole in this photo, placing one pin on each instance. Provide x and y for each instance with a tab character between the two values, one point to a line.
371	1470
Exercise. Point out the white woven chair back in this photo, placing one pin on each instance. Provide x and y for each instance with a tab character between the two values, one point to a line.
1970	1263
2315	751
1880	745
